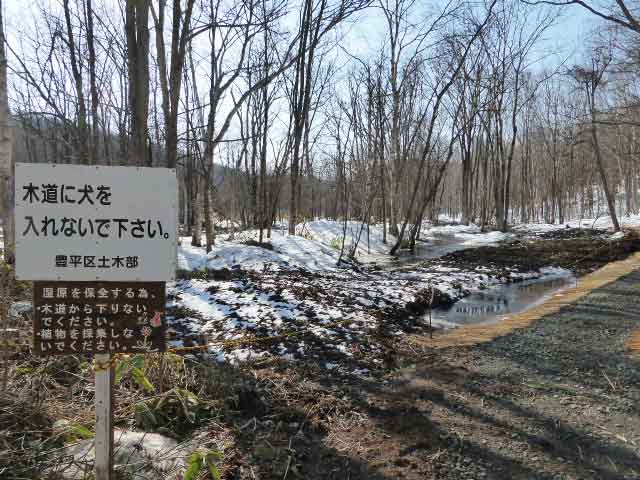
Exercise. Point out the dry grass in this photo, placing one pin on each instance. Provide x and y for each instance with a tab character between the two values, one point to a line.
474	334
34	398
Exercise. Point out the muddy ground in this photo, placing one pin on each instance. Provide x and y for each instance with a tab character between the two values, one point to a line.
578	250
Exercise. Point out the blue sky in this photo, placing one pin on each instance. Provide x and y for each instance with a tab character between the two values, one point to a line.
572	31
365	34
566	39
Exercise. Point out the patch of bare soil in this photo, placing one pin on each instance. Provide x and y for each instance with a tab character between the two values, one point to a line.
580	253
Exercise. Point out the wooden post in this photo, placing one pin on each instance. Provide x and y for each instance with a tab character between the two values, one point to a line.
104	417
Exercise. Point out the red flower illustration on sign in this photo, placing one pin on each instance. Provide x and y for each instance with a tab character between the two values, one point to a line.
156	321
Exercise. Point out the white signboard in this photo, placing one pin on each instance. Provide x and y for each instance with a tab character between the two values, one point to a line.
76	222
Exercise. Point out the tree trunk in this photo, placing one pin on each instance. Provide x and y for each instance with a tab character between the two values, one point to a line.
82	140
611	202
208	220
6	157
196	228
93	85
137	32
263	150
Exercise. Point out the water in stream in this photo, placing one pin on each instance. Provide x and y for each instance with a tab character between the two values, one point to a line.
436	246
490	305
499	302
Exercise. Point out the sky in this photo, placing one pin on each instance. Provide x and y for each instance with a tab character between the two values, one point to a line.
366	32
573	28
565	39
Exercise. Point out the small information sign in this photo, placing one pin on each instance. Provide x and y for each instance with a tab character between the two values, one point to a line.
98	317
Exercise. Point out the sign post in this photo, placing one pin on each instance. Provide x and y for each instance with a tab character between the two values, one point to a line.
104	417
99	243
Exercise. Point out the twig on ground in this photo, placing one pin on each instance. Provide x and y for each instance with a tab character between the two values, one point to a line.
613	387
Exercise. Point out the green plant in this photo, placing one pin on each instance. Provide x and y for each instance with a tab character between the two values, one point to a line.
200	459
175	411
135	367
71	432
336	243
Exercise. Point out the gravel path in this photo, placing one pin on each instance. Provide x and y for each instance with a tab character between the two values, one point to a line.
557	400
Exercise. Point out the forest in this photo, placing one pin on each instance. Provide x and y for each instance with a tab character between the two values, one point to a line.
267	115
407	243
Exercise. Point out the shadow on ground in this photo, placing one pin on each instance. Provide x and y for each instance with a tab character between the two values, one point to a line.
557	400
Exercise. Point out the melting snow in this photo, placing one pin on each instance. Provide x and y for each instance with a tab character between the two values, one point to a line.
315	309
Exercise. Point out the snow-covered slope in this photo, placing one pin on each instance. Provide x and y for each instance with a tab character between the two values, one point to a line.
289	251
316	247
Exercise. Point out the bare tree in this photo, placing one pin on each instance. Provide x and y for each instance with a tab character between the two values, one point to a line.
76	69
591	79
137	34
619	13
93	85
171	82
439	92
316	20
6	157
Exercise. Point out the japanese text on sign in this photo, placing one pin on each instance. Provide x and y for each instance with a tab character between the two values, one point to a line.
102	227
76	222
98	317
54	193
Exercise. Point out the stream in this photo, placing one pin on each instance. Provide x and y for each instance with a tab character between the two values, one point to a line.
488	306
497	303
436	246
